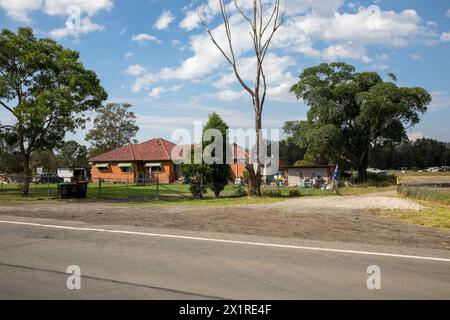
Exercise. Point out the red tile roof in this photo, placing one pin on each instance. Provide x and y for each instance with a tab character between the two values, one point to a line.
152	150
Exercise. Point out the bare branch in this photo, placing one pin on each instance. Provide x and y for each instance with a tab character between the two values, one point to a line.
7	108
231	60
242	13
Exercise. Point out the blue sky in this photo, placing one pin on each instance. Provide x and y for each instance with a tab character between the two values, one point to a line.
154	55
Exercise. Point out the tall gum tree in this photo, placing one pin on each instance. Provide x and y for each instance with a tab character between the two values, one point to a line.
264	23
47	91
351	113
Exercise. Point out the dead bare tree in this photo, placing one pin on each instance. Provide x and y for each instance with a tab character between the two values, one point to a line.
263	28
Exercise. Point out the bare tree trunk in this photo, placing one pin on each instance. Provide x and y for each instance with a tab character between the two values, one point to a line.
262	31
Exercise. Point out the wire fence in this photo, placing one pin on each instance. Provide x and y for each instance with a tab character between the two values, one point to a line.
437	192
11	188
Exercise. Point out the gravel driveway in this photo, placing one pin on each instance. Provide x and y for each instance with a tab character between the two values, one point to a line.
350	203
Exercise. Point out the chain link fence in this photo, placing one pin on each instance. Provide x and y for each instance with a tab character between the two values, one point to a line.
437	192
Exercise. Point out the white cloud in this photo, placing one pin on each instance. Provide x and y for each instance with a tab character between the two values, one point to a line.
230	95
445	37
86	26
144	38
91	8
448	13
76	24
135	70
164	20
190	21
441	100
414	136
158	91
20	9
317	29
345	51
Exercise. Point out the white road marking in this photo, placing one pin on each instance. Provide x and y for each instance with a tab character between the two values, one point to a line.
259	244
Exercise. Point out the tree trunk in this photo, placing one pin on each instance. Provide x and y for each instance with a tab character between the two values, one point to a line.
27	173
255	178
362	173
362	167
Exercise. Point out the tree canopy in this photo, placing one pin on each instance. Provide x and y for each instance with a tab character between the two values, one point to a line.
46	89
351	113
114	127
220	172
216	174
73	154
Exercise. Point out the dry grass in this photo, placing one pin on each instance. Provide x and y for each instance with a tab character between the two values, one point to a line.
434	215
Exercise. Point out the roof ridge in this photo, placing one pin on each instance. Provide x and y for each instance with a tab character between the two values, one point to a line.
132	152
140	151
164	147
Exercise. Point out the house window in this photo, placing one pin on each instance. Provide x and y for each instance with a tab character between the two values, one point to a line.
154	169
103	168
126	167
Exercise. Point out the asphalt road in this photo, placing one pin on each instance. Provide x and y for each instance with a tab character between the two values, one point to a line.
138	263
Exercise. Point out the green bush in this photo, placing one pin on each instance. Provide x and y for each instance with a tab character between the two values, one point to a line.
294	194
197	190
272	193
246	177
240	192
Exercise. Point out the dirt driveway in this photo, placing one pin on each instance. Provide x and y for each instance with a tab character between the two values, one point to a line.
345	219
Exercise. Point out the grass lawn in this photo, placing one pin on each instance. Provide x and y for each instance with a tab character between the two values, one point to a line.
434	215
421	174
360	190
439	195
170	194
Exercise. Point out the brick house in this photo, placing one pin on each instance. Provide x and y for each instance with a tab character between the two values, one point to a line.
137	162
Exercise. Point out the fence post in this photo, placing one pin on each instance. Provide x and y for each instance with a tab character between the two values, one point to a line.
157	187
48	187
99	187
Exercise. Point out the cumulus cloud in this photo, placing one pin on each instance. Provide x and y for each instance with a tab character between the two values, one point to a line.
445	37
144	38
414	136
86	26
317	29
91	8
164	20
20	9
76	24
135	70
158	91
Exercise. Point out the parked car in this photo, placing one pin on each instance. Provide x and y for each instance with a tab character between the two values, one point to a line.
378	171
47	178
445	169
434	169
